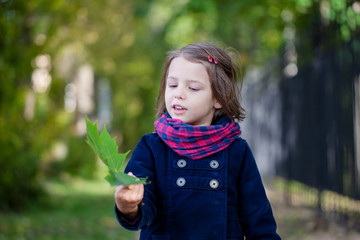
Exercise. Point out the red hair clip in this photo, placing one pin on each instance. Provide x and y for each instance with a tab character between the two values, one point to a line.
211	59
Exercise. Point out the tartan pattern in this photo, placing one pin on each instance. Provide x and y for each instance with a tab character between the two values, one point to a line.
196	142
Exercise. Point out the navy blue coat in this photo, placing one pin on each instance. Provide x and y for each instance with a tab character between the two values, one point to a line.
217	197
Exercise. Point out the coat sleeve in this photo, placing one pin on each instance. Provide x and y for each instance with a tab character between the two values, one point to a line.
141	164
255	212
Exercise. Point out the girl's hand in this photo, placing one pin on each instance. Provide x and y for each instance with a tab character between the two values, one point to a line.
127	199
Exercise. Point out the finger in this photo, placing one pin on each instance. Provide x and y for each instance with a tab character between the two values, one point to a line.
131	174
132	193
122	192
141	191
136	190
119	188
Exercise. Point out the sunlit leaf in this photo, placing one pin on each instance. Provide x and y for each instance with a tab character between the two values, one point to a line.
106	149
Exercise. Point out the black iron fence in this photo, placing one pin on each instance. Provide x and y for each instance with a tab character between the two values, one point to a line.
304	126
318	123
320	129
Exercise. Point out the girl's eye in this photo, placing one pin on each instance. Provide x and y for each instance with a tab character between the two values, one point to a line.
194	89
172	85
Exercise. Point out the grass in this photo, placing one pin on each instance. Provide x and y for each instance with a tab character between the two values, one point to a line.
78	209
295	209
84	209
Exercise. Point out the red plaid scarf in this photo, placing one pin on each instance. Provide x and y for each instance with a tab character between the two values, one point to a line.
196	142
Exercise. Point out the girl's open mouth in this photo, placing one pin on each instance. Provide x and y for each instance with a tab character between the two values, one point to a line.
178	109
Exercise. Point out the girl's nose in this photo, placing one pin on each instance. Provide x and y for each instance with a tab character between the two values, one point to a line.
179	97
179	94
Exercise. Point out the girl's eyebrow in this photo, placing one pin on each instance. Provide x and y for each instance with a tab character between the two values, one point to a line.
188	80
171	77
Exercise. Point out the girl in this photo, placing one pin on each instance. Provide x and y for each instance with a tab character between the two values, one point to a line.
204	180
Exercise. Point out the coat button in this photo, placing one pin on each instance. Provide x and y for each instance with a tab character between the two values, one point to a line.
214	184
180	182
214	164
181	163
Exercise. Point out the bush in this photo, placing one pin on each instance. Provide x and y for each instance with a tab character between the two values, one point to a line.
20	163
80	160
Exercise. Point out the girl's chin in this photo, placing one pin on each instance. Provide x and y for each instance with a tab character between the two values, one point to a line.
179	118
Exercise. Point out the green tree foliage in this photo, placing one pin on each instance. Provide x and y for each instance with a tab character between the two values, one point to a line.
124	42
29	122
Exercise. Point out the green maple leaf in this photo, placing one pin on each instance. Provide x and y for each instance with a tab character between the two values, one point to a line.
106	149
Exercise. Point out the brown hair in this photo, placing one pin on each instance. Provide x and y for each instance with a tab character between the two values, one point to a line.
223	77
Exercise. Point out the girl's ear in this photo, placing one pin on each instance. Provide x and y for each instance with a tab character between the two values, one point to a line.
217	105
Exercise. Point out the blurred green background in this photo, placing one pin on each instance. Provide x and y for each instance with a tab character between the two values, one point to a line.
62	60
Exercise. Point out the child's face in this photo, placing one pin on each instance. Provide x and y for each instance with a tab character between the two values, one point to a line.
188	94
